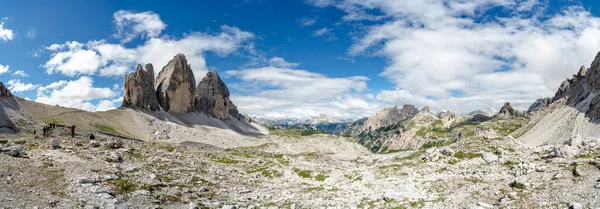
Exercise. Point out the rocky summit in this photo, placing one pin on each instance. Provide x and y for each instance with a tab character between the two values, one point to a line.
538	105
4	92
212	97
138	89
508	112
175	86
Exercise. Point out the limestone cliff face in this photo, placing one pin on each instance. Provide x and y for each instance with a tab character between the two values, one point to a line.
212	97
139	91
582	91
175	86
4	92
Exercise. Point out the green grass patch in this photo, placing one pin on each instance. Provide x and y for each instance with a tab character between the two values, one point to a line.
588	155
510	163
430	144
295	133
20	141
466	155
3	141
321	177
106	128
517	185
225	161
121	186
303	173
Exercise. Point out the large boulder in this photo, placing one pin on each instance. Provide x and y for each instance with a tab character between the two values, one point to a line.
139	89
212	97
175	86
4	92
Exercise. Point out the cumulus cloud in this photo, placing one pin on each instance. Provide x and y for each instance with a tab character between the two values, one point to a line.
5	33
16	86
280	62
452	53
20	73
98	57
298	93
4	69
78	93
130	25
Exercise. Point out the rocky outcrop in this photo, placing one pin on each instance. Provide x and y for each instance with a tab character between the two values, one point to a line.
387	116
425	110
139	89
175	86
409	110
4	92
508	112
212	98
539	104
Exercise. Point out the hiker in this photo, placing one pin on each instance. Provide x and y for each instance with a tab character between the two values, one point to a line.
34	132
73	131
92	137
44	131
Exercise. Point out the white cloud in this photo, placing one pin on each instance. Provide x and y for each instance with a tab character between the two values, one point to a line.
4	69
326	33
31	32
307	21
16	86
105	59
20	73
451	53
115	86
76	94
280	62
5	33
298	93
131	25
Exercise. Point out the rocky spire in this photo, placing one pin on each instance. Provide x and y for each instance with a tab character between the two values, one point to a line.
175	86
425	110
409	110
4	92
212	97
139	89
508	112
539	104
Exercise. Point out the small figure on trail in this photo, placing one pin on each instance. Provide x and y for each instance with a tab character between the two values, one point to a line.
44	131
92	137
73	131
34	132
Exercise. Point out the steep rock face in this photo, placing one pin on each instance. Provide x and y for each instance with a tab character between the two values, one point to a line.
508	112
582	90
539	104
175	86
387	116
409	110
4	92
139	89
212	97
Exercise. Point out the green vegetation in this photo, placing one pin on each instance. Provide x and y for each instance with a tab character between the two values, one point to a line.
303	173
321	177
105	128
122	186
3	141
510	163
430	144
353	178
225	161
517	185
294	133
20	141
588	155
466	155
420	203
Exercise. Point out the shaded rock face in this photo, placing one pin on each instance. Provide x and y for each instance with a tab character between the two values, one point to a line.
539	104
175	86
212	98
508	112
409	110
139	89
4	92
582	91
425	110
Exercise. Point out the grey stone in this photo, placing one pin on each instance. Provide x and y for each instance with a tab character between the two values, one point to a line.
4	92
54	143
139	89
116	157
17	151
489	157
175	86
212	98
84	180
575	205
574	141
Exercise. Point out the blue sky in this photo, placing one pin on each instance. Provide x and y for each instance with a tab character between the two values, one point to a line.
294	59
